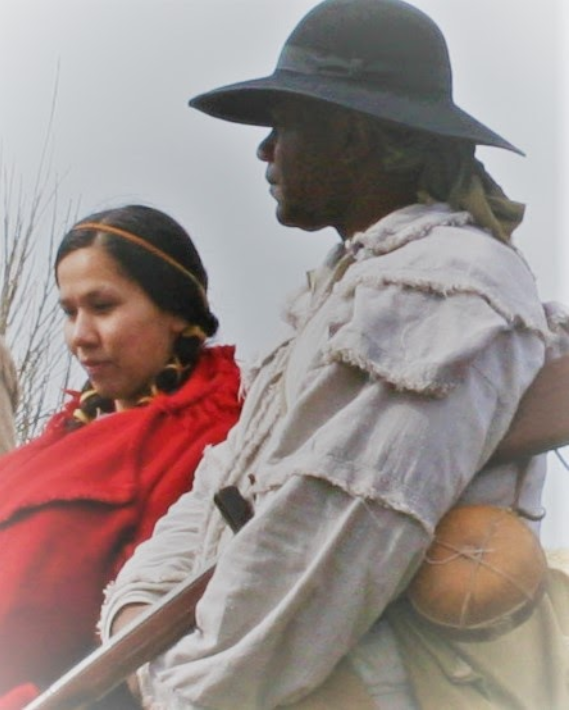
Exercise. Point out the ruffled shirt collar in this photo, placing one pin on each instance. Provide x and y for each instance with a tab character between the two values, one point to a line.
403	226
386	235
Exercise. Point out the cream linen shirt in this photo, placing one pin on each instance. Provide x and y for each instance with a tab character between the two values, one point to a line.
409	355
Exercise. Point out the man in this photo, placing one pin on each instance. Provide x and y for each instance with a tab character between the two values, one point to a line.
411	348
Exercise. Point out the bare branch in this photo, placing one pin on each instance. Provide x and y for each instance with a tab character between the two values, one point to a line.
30	319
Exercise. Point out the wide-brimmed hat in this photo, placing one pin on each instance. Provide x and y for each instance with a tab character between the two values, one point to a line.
384	58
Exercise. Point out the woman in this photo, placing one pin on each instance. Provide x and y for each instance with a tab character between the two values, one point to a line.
76	501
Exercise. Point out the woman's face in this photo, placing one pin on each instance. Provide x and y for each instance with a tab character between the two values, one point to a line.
121	338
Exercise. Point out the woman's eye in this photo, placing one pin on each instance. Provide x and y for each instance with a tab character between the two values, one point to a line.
67	311
102	307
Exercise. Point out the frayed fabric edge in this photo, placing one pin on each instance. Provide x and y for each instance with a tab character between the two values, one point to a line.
401	382
429	286
365	493
381	238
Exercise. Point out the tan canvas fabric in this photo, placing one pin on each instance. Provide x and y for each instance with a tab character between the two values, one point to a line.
497	674
343	689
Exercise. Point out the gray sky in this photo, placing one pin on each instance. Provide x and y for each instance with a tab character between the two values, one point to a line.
123	132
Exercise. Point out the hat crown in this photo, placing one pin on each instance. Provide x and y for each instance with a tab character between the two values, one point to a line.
387	43
382	58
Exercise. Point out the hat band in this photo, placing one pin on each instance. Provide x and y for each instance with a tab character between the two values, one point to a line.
304	61
358	69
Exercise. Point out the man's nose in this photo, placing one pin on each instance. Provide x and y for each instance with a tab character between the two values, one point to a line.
266	148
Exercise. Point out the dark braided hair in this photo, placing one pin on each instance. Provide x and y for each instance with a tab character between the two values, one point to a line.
169	288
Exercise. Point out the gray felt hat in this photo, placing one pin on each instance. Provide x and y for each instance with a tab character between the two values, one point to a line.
384	58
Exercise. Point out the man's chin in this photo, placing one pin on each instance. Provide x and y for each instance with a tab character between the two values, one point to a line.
305	222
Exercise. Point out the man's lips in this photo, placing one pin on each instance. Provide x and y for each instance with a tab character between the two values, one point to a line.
275	190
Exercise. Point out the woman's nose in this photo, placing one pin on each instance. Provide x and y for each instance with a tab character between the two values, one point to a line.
83	332
266	148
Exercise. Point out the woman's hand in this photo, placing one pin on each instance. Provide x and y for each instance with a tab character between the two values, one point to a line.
126	615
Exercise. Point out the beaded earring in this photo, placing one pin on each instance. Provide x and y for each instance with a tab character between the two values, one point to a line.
170	378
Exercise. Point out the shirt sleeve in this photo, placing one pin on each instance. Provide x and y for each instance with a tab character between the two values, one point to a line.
413	452
159	563
300	584
291	594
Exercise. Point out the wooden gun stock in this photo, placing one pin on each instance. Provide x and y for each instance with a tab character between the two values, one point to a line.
153	632
541	423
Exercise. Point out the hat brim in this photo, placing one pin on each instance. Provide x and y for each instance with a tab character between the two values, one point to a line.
250	102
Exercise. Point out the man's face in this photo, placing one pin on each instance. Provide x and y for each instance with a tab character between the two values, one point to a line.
307	177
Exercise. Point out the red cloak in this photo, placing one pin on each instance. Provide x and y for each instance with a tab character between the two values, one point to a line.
74	505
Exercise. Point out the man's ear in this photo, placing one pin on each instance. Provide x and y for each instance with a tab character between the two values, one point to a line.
357	138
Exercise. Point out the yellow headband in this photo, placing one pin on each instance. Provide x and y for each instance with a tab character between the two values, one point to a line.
100	226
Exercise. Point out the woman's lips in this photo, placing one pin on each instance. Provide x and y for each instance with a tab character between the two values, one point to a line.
95	367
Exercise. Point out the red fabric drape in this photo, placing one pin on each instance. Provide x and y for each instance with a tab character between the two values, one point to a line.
73	506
